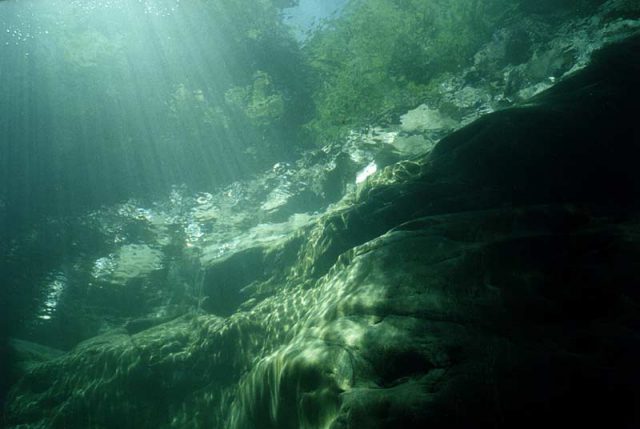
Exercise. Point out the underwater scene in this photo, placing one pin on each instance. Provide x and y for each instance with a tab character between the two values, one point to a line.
319	214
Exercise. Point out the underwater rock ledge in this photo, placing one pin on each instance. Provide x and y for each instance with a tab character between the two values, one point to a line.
492	283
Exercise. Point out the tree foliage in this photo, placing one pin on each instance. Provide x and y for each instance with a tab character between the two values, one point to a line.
382	56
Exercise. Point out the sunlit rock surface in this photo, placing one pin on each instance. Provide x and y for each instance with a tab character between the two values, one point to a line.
490	283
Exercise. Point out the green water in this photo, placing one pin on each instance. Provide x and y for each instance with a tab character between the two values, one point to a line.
203	213
102	100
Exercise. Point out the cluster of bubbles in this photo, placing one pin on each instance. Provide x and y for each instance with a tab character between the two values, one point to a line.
16	35
22	22
156	8
150	7
20	28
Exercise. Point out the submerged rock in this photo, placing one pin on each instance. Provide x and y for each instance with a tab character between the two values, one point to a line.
490	283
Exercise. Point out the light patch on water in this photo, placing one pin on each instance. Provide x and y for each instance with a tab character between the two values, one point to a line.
366	172
55	287
379	134
129	262
261	234
277	198
149	7
103	267
194	233
131	210
204	198
423	118
205	209
307	15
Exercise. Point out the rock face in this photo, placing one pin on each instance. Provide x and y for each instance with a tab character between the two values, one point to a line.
492	283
